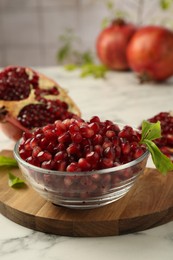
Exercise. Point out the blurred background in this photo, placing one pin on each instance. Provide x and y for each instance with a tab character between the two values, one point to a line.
32	32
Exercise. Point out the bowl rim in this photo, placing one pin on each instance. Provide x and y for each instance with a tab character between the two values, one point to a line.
62	173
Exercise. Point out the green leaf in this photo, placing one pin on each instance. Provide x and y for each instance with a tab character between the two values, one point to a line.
161	161
165	4
15	182
105	22
63	53
91	69
87	57
71	67
152	131
7	162
110	5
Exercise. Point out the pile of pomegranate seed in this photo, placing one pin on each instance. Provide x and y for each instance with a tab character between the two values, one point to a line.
74	145
165	143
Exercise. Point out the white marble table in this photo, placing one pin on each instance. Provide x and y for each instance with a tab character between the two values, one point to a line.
122	99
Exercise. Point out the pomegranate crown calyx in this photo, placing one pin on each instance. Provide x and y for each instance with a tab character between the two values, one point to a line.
119	21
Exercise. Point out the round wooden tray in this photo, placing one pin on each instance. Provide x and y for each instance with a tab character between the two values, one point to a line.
148	204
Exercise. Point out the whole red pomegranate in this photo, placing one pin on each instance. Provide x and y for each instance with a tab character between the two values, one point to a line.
29	99
112	42
150	53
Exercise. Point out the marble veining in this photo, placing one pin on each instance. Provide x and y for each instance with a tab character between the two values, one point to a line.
121	98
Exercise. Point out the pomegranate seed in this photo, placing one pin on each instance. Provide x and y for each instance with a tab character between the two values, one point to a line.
50	147
95	127
95	119
84	164
43	143
115	180
117	151
96	177
85	181
44	156
68	181
50	135
167	151
106	163
107	144
116	141
73	149
126	132
125	147
76	137
59	156
86	131
98	139
127	173
109	152
59	147
106	179
62	166
73	167
27	145
138	152
110	134
48	128
33	161
64	138
170	138
92	157
99	149
60	127
73	128
133	146
36	151
26	136
25	154
67	122
47	165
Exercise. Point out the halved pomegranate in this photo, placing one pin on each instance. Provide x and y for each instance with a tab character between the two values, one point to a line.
29	99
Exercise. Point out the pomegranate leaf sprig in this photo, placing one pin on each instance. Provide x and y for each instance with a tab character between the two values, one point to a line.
150	132
8	162
13	181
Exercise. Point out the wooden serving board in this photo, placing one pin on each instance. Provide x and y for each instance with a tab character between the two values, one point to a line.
148	204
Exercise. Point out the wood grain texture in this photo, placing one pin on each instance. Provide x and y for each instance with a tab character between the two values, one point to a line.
148	204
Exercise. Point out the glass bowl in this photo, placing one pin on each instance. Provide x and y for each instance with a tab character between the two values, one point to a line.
82	190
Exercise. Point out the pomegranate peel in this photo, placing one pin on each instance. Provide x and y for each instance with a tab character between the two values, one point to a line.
31	100
10	125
